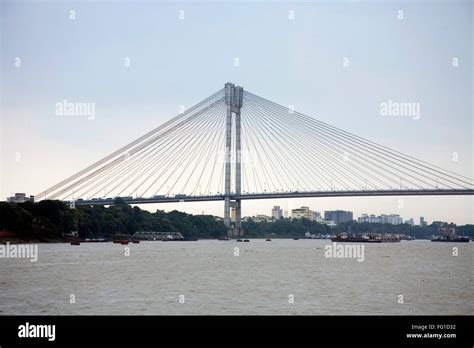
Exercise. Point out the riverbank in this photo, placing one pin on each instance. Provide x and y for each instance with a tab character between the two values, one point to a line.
15	240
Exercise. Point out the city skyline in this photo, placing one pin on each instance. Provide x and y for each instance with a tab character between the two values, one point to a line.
277	212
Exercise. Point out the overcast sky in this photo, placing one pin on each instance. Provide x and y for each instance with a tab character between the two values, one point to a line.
290	52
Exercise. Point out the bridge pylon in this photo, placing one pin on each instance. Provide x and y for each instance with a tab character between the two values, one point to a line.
233	100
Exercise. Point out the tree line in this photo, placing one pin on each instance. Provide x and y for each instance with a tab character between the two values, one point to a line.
50	219
284	228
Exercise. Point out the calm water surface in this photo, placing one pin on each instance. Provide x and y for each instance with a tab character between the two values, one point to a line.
259	281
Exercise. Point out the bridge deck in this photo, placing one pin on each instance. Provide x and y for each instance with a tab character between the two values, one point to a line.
277	195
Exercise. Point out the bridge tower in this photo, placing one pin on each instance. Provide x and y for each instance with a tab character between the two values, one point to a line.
233	100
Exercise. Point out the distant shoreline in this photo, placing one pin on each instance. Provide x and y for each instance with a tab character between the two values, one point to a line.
59	241
31	241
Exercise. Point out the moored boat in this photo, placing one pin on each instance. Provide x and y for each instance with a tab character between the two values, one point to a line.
452	239
365	238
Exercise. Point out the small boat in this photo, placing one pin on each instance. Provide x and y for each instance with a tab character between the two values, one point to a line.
452	239
122	241
76	243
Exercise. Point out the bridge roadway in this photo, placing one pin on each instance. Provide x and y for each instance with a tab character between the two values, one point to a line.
278	195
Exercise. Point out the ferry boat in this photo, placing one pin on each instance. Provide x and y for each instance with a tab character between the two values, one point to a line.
406	237
452	239
121	241
365	238
95	240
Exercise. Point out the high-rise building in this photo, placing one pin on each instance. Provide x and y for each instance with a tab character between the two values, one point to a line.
300	213
338	216
277	212
316	215
20	198
393	219
422	221
366	218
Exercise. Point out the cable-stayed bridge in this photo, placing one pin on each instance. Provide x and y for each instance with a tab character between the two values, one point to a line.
235	145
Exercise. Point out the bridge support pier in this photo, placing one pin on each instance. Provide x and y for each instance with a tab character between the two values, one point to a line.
234	230
233	100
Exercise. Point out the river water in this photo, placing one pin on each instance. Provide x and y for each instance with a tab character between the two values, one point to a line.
206	277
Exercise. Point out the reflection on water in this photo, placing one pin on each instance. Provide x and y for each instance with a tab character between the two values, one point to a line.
212	280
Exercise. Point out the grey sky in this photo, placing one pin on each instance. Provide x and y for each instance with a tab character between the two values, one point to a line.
179	62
